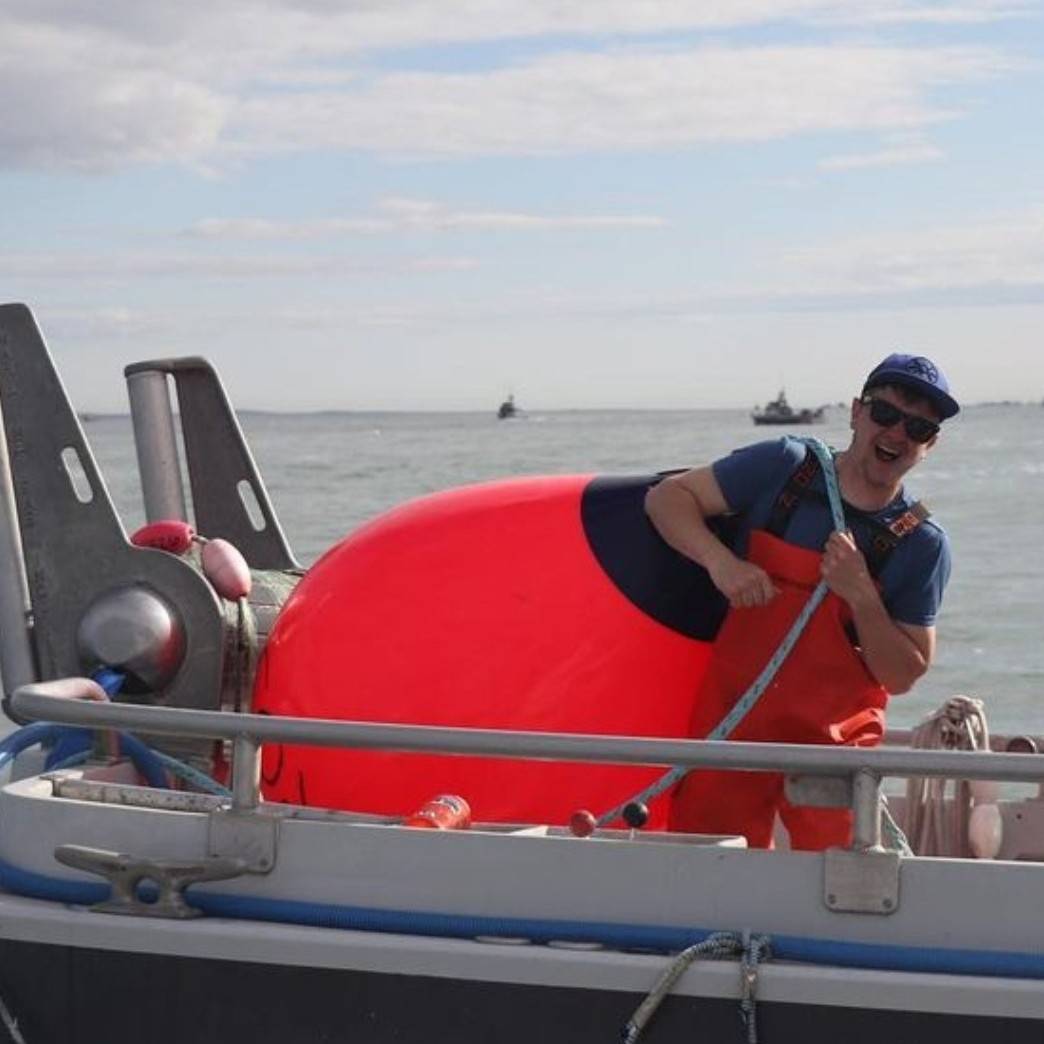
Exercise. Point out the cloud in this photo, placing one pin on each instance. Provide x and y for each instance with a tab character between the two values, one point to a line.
412	215
622	101
997	259
318	27
120	267
101	86
264	228
994	257
105	325
946	14
85	101
900	155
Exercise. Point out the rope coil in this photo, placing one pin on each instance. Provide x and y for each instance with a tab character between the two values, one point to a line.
936	826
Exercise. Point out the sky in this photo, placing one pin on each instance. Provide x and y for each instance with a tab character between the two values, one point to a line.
428	204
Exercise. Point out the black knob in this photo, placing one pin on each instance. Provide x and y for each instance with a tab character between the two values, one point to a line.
636	814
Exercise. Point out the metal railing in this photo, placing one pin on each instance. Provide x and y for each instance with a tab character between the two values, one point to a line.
68	702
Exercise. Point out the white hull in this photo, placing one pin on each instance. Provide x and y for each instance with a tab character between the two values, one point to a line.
951	914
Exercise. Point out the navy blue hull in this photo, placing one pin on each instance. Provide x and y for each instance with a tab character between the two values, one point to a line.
63	995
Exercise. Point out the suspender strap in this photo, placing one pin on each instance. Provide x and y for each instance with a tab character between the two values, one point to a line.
883	538
909	520
886	537
798	485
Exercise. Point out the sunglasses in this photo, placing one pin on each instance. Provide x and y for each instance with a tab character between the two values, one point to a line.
883	413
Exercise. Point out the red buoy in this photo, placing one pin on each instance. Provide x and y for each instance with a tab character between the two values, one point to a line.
171	535
536	604
225	567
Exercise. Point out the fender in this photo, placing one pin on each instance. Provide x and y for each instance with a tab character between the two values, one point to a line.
545	603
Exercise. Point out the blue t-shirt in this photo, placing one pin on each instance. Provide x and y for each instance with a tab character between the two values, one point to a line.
915	575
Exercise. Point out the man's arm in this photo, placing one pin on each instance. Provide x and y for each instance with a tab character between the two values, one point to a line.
897	654
678	507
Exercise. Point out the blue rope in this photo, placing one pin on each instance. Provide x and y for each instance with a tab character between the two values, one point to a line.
112	681
71	745
77	758
745	704
182	770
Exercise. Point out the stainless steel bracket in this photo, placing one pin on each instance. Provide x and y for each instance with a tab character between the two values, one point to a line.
864	881
229	498
74	544
127	873
251	838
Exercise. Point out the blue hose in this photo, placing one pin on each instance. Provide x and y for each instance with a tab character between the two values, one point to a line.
145	760
67	741
69	745
27	736
40	732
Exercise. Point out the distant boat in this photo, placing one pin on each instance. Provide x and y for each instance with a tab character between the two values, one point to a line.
507	409
779	411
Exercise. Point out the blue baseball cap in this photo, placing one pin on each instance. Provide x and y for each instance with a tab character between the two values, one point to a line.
919	374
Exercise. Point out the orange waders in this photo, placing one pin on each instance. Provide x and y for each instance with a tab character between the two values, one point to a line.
823	693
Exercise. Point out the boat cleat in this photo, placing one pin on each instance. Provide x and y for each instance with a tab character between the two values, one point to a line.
127	874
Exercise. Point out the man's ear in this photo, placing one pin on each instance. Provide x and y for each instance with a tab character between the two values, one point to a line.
856	404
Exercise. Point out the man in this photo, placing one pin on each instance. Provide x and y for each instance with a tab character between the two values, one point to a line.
873	635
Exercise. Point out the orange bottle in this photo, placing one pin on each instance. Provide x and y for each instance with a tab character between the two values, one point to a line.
445	812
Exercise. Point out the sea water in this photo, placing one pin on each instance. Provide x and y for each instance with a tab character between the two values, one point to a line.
327	473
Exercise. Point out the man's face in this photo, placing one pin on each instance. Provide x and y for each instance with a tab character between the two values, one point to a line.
886	451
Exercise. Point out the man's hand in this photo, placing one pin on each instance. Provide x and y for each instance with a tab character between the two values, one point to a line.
679	507
744	584
844	570
896	654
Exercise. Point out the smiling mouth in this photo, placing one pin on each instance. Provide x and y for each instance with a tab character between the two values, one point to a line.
886	455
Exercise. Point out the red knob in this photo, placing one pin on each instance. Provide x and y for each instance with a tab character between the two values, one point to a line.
582	823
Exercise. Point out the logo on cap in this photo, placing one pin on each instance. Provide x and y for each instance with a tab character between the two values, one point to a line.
919	366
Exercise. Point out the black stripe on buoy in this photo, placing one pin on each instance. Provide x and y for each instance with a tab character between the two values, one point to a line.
664	584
